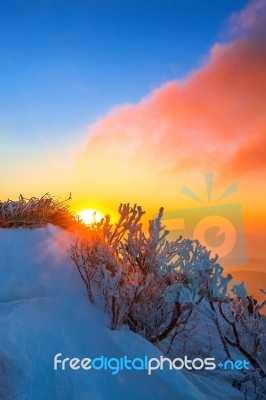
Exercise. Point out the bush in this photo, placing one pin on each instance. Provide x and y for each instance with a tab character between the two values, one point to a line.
157	287
36	212
143	280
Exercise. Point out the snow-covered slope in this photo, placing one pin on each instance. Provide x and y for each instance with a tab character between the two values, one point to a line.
44	311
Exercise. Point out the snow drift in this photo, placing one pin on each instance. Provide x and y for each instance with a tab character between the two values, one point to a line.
44	310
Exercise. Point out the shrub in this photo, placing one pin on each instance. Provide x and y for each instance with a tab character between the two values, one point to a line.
141	279
156	288
36	212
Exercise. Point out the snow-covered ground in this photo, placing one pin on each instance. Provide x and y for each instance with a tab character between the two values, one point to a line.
44	310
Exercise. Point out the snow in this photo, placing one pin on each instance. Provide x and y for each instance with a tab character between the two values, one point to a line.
44	310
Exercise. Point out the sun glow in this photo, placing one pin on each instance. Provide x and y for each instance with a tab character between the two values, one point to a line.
89	216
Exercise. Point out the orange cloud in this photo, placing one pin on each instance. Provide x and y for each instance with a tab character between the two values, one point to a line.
214	120
251	157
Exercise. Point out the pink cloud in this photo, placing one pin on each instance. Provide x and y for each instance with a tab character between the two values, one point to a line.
215	117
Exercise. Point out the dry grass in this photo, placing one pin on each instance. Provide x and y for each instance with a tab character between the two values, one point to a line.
36	212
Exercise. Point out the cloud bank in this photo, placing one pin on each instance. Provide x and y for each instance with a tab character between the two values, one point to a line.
214	120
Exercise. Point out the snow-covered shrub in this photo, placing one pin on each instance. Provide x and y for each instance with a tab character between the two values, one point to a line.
134	274
244	327
165	290
36	212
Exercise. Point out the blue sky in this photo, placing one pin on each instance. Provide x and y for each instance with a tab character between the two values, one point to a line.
63	64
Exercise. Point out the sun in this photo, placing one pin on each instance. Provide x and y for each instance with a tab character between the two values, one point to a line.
90	215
